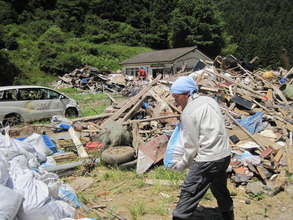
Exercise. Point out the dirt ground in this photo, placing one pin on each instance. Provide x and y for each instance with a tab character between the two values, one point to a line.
130	196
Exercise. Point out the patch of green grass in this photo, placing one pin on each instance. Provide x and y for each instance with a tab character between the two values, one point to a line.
137	209
166	174
82	198
90	104
138	182
161	208
208	195
117	175
82	96
258	196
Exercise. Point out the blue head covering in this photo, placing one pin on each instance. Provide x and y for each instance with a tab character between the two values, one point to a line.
184	84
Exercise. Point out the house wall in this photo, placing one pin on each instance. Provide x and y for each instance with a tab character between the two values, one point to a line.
152	69
189	60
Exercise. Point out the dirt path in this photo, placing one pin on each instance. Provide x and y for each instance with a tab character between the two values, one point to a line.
128	195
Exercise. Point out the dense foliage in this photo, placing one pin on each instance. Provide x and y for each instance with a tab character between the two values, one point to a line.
260	28
42	38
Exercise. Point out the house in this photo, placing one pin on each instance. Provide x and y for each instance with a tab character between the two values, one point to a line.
167	61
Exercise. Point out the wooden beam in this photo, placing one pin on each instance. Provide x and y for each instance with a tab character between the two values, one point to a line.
131	102
151	119
94	117
79	146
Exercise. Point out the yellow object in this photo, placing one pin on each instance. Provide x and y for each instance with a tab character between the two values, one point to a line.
268	75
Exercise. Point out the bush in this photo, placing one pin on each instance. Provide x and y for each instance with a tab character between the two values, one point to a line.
8	71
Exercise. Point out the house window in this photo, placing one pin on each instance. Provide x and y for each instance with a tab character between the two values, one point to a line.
131	71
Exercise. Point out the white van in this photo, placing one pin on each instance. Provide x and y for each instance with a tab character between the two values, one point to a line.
29	103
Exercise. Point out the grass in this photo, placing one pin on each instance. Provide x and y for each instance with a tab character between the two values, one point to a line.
161	208
163	173
136	210
90	104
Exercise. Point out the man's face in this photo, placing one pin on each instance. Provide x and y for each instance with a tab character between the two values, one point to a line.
181	99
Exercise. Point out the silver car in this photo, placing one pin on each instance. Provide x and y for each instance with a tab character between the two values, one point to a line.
29	103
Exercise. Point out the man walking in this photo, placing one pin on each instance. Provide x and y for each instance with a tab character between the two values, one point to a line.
207	152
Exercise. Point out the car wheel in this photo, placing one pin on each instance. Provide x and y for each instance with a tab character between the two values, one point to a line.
12	120
71	113
118	155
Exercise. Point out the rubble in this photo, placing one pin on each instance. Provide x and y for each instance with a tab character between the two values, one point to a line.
258	115
93	80
256	105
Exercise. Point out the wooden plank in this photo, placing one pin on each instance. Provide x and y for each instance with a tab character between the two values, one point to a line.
135	136
152	119
289	152
131	102
278	157
111	98
134	108
95	117
64	156
162	100
239	84
261	173
79	146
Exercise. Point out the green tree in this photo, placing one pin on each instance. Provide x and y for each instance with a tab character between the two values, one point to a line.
8	70
259	28
196	23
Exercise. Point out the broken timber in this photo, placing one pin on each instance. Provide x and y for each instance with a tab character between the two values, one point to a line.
131	102
79	146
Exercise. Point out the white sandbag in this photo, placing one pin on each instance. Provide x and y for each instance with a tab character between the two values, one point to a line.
37	141
26	182
4	172
28	146
175	148
54	210
10	148
10	203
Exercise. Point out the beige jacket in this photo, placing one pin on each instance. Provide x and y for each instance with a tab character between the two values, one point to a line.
204	132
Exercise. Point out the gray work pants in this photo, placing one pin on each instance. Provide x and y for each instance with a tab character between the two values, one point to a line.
201	176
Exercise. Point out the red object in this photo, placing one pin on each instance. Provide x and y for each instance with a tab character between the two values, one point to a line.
94	147
142	73
265	98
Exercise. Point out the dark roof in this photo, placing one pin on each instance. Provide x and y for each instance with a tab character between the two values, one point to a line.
160	55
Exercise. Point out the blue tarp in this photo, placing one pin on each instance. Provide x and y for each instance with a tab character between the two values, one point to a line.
253	123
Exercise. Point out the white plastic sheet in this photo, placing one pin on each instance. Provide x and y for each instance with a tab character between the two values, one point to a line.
10	203
4	173
39	144
36	190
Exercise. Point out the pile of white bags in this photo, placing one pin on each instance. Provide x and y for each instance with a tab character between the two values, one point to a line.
27	191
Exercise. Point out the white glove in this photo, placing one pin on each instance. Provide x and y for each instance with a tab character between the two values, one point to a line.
179	165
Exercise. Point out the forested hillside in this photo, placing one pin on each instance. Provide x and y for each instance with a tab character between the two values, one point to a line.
40	38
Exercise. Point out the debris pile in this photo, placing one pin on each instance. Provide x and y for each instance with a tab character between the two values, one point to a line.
258	112
93	80
256	104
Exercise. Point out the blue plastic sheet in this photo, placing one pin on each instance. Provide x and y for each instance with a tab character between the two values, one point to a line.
50	144
253	124
174	149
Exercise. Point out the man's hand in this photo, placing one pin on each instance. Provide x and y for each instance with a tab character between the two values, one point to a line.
179	166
